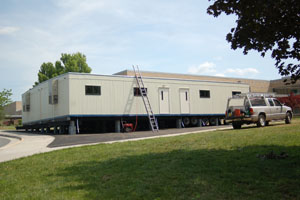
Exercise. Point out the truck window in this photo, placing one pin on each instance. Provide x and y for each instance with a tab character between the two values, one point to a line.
258	102
271	102
277	103
247	104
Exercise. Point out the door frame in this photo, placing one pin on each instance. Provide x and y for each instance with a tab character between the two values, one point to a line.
159	99
189	100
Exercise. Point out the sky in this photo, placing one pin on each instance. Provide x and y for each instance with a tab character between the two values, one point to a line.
159	35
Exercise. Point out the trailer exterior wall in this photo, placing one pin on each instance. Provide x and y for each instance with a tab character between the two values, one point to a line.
40	109
117	97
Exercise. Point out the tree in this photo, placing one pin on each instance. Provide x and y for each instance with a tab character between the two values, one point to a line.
67	63
46	72
75	63
4	100
268	25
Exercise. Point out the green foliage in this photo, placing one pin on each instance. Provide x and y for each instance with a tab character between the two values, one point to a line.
68	63
75	63
265	26
211	165
1	115
4	100
46	72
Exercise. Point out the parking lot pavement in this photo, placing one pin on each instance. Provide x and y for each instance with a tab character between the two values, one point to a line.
68	140
4	141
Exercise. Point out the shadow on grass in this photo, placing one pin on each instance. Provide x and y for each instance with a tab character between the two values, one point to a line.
196	174
254	126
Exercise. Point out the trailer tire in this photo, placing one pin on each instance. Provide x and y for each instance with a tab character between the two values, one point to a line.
212	121
261	122
236	125
186	121
194	121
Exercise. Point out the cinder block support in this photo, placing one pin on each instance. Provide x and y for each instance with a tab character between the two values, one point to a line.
72	128
217	121
199	123
55	130
61	130
224	122
178	123
103	126
117	126
149	126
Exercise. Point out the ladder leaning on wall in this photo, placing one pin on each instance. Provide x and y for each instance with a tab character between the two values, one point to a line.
143	91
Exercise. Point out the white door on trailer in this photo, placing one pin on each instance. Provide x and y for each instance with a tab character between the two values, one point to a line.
184	100
164	101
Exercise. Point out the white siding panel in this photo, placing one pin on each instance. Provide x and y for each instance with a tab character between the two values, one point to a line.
40	108
117	96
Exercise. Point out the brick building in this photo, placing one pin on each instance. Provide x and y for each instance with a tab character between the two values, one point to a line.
13	113
277	86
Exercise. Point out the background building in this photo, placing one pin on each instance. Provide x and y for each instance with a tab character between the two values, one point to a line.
277	86
13	113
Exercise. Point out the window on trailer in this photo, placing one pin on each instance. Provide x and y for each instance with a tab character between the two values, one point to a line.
235	93
55	99
204	94
92	90
50	99
137	92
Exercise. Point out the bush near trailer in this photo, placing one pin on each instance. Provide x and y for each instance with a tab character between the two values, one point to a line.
292	101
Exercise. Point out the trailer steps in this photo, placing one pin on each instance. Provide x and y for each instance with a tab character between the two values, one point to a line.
143	91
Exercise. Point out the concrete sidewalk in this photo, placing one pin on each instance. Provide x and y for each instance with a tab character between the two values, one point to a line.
27	144
23	144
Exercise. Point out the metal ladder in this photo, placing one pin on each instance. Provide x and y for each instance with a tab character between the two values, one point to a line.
143	91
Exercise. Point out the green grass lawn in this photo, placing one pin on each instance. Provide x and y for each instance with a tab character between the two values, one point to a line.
2	127
212	165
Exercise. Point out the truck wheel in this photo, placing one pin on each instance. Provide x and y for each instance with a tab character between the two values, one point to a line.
288	118
261	120
236	125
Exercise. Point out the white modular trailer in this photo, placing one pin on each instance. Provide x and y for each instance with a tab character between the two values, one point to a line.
81	97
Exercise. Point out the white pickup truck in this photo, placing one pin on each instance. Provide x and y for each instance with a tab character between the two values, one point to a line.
256	108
